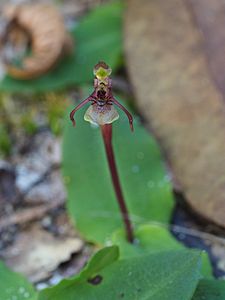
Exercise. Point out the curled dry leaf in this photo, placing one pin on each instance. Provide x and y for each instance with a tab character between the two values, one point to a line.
45	28
175	90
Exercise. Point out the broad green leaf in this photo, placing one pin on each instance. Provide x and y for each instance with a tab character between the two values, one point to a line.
13	286
154	238
91	199
210	290
159	276
102	259
98	37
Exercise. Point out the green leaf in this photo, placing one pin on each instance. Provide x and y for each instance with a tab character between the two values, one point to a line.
159	276
210	290
154	238
13	286
97	37
91	199
148	239
99	261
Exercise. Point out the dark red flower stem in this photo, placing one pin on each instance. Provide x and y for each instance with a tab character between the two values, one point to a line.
107	137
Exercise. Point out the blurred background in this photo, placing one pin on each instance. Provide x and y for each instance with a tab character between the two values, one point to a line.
168	67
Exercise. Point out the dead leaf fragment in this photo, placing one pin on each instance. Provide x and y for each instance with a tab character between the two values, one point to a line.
210	19
178	97
36	252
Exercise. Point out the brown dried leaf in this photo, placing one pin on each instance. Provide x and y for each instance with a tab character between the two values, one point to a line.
36	252
210	18
175	92
45	27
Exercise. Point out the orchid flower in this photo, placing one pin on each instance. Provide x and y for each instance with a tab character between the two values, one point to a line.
103	113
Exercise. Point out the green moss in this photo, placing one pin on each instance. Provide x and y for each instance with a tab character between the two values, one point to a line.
28	124
5	141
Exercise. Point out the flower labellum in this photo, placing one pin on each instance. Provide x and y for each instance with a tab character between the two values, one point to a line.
101	115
